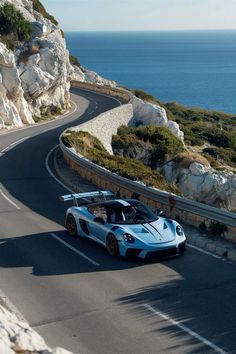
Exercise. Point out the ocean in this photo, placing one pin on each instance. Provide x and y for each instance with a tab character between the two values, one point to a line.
194	68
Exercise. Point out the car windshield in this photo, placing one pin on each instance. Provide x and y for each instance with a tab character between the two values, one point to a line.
131	214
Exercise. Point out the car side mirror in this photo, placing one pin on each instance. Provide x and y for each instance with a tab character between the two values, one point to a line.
99	220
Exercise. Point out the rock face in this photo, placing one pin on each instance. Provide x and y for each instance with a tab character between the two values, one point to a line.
16	336
147	113
203	184
35	77
91	77
14	110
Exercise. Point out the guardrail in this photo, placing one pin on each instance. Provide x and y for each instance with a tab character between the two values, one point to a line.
124	95
117	183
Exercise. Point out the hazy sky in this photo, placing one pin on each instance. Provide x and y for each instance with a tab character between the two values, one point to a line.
116	15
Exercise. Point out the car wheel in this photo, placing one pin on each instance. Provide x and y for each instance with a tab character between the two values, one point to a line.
71	225
112	245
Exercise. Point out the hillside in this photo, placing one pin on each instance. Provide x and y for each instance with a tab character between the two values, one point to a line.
34	64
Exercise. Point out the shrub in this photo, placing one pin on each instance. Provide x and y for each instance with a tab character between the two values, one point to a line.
37	6
216	154
12	22
201	125
160	142
143	95
74	61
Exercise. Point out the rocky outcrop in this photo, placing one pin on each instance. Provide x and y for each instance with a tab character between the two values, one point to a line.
36	76
91	77
14	109
146	113
16	336
203	184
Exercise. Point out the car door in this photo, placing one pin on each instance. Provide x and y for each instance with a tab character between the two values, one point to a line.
97	228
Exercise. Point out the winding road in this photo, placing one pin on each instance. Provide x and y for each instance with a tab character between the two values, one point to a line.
77	296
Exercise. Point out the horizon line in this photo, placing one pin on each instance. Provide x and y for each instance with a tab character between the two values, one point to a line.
157	30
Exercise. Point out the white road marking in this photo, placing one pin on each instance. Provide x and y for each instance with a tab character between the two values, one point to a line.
90	113
51	173
14	144
81	254
185	329
205	252
9	200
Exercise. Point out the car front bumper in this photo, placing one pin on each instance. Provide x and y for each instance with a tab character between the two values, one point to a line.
156	253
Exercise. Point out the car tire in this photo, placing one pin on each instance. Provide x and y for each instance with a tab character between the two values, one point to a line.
112	245
71	225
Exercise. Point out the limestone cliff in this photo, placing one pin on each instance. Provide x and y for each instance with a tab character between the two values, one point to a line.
35	75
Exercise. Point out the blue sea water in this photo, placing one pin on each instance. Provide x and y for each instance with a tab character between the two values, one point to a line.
195	68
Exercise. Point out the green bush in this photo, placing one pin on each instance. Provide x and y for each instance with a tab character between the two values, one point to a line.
201	125
74	61
12	22
37	6
160	142
226	154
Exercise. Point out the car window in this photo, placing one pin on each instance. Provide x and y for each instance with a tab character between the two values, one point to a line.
98	211
132	214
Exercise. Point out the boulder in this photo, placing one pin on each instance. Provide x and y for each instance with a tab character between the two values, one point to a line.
203	184
146	113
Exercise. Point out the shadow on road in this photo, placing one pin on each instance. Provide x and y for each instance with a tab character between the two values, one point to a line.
25	252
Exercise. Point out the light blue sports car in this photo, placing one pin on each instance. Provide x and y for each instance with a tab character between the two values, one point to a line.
126	227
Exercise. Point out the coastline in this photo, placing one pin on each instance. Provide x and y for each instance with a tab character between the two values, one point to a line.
192	68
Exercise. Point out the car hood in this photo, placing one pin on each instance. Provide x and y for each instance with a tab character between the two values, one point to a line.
158	231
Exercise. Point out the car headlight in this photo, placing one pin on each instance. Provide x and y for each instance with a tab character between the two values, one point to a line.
128	238
179	230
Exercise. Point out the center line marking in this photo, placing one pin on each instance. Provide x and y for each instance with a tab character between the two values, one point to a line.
74	249
9	200
185	329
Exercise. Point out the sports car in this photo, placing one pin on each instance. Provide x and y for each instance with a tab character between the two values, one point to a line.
126	227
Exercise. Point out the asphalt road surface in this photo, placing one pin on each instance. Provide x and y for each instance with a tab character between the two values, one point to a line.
77	296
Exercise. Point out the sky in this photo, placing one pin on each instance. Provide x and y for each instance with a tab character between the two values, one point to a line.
139	15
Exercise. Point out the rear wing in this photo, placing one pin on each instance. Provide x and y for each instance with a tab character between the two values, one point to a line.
87	195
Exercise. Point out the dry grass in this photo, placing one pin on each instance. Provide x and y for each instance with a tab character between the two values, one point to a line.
186	158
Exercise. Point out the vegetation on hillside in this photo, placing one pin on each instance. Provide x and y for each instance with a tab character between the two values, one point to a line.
217	129
13	26
38	6
150	144
91	148
48	113
202	127
75	61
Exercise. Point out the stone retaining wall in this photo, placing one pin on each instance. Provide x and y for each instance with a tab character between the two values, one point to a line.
107	123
